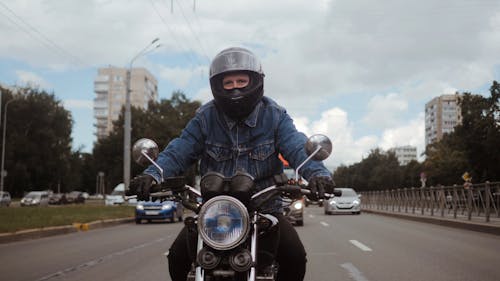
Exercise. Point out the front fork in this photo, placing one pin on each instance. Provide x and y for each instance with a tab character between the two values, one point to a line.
199	274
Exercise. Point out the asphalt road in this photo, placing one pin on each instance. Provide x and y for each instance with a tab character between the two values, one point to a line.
366	247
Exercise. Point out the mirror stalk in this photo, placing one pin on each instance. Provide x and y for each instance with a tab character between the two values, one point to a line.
307	160
154	163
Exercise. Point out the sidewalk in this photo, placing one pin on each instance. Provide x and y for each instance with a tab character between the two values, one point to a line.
475	224
56	230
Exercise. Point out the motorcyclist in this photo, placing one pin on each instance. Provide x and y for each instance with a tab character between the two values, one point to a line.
240	130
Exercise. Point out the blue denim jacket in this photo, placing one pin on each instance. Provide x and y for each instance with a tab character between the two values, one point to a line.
227	146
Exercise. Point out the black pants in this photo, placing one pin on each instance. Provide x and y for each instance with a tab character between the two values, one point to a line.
291	255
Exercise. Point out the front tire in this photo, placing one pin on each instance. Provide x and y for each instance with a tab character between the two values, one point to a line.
137	221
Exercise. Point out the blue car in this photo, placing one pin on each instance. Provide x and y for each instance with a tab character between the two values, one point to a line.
149	210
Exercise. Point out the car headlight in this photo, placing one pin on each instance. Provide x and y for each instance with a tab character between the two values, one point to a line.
223	222
355	202
298	205
332	202
166	207
139	207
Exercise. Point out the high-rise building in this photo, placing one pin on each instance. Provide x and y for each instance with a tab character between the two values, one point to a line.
442	114
110	87
405	154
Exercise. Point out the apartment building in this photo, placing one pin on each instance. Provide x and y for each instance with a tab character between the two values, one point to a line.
110	87
442	114
405	154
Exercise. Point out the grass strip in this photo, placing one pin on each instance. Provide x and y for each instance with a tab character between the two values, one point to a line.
15	219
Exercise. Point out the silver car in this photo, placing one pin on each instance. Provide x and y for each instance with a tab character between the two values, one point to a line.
36	198
348	202
5	199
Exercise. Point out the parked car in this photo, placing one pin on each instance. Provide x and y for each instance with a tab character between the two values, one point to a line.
117	197
96	197
58	199
294	211
36	198
75	197
149	210
348	202
5	198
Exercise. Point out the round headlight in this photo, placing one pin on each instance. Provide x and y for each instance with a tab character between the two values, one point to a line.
297	205
166	207
223	222
139	207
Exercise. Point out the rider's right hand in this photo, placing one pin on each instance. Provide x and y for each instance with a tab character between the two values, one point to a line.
141	186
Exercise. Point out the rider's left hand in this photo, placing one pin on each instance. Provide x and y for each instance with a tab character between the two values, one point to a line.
319	185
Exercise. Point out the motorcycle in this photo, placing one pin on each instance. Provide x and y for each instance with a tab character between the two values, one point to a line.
230	219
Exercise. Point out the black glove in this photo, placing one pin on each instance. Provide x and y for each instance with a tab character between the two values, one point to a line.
140	186
319	185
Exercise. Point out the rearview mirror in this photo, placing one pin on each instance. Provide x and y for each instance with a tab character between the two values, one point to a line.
145	151
319	147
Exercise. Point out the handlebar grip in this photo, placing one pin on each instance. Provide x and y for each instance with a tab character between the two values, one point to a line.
305	191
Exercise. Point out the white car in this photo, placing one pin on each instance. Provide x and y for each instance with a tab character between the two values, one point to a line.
348	202
5	198
36	198
117	197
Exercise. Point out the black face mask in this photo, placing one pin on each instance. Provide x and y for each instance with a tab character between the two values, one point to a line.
239	103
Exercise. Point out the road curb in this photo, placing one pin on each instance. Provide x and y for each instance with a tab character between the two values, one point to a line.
58	230
469	225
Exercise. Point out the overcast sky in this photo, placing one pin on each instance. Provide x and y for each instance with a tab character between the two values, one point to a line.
358	71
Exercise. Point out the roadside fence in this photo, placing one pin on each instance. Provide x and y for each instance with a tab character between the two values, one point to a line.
467	202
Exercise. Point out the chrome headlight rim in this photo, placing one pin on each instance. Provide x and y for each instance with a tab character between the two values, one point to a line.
244	217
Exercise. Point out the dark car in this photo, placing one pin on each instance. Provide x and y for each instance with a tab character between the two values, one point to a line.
149	210
58	199
293	210
75	197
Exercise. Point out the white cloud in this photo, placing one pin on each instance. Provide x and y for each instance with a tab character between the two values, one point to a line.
179	77
31	79
412	133
337	51
385	111
203	95
334	123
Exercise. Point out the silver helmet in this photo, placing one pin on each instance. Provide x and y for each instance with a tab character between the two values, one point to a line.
236	103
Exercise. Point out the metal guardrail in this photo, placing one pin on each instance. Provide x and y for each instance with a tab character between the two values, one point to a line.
468	200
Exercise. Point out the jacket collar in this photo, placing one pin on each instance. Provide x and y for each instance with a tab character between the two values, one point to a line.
250	120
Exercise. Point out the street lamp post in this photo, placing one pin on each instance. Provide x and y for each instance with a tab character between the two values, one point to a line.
2	171
127	127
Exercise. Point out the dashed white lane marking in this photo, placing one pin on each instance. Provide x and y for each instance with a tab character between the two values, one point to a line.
360	245
354	272
324	223
311	216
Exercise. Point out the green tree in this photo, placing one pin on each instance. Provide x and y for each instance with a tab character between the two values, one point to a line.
446	161
162	122
380	170
480	133
38	141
